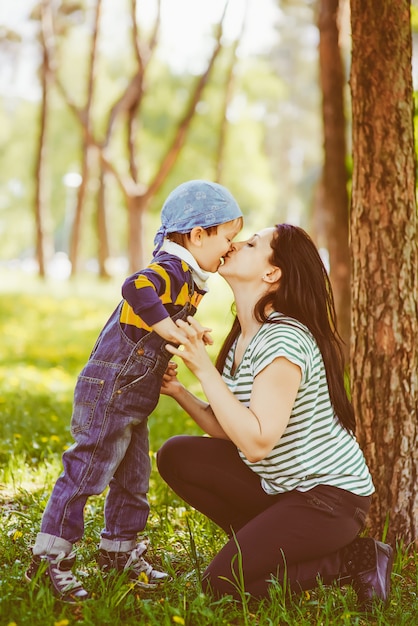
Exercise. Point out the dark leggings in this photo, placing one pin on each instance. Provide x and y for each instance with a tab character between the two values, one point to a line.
294	537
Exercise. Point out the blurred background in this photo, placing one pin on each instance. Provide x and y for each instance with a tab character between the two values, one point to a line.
106	106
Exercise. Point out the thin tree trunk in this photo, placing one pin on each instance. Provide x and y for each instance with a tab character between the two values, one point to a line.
334	194
102	230
137	206
39	178
229	91
43	242
385	260
86	147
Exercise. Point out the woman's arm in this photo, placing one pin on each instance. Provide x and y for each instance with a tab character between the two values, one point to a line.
200	411
254	430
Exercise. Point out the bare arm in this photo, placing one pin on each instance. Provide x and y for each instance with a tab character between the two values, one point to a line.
254	430
200	411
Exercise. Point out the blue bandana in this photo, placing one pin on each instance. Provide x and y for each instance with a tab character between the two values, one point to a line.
195	203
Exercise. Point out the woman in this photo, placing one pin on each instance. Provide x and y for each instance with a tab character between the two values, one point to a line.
281	472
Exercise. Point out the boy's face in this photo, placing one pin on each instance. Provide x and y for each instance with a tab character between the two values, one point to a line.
208	250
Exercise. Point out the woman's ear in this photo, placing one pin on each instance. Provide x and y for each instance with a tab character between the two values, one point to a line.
273	275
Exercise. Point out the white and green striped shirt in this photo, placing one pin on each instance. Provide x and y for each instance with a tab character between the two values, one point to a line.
314	448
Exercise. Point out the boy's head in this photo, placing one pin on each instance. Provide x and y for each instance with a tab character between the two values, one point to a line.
196	203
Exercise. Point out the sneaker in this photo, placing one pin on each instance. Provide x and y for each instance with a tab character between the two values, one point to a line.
58	570
133	562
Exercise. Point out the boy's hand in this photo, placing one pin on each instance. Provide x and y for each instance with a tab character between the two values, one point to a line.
170	385
168	330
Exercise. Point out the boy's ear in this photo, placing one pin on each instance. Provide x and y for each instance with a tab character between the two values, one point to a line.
196	235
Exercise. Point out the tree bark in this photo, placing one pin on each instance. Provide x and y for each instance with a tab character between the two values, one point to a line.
334	195
384	357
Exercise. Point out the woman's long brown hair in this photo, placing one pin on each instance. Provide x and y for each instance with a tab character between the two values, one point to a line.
304	292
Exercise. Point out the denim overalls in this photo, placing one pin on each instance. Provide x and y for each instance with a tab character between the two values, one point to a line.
116	391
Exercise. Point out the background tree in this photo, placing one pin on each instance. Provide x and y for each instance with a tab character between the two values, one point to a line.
137	192
331	216
41	206
85	112
228	97
384	361
295	129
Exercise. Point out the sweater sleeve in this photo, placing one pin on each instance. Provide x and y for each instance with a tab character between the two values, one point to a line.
147	291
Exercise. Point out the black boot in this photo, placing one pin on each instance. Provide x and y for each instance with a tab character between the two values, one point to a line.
369	565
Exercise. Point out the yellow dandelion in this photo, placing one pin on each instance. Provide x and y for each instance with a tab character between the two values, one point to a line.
16	535
54	418
346	615
143	578
12	624
44	439
62	622
17	436
178	620
307	595
54	438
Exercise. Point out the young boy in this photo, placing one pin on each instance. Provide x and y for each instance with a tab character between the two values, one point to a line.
120	385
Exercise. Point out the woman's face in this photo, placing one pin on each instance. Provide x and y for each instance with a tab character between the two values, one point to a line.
249	259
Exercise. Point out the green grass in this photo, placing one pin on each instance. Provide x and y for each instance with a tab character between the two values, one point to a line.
47	331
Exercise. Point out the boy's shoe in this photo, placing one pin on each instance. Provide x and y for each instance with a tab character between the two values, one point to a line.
133	562
57	569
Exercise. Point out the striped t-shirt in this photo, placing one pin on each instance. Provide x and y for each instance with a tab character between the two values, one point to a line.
314	448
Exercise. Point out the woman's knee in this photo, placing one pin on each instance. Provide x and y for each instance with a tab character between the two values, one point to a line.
168	454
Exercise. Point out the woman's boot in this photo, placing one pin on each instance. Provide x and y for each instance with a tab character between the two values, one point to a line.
369	565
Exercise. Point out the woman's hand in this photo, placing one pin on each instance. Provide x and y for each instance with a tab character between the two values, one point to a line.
192	350
171	386
198	409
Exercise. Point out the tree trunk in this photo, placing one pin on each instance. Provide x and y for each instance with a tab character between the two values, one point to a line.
102	229
334	194
228	95
137	206
384	354
79	210
86	147
43	242
39	178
